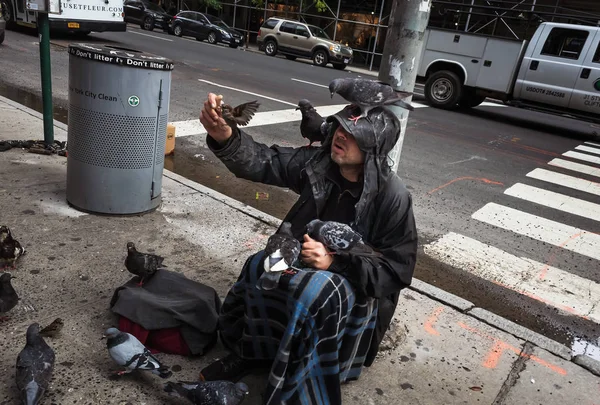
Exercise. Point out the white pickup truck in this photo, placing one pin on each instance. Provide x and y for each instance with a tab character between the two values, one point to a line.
557	71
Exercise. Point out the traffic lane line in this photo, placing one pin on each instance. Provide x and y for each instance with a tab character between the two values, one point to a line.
151	36
247	92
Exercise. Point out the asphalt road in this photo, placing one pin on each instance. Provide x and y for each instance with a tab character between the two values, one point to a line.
455	164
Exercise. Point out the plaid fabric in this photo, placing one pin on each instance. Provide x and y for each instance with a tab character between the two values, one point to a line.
313	327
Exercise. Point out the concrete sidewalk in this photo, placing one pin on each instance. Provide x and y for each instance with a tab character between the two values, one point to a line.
440	350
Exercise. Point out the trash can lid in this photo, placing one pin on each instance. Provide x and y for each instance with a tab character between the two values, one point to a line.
120	56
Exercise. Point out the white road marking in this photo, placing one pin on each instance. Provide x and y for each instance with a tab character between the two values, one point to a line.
542	229
565	181
247	92
577	167
582	156
554	200
194	127
593	144
151	36
588	149
568	292
311	83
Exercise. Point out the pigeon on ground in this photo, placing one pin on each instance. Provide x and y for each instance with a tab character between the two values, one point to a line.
312	127
368	94
10	249
339	238
240	115
209	392
8	295
126	350
35	364
53	329
143	265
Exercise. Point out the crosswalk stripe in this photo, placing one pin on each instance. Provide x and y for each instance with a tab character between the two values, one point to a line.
566	181
588	149
582	156
554	200
568	292
577	167
542	229
593	144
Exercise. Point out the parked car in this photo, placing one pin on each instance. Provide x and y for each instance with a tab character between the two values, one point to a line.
147	14
206	27
2	24
296	39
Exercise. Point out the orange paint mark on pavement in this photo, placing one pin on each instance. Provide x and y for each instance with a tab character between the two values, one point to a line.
500	346
544	270
432	320
487	181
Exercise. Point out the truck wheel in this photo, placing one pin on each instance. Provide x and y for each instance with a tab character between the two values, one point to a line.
470	99
320	58
9	15
270	48
443	89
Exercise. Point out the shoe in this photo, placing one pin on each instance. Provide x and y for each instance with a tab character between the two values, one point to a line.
231	368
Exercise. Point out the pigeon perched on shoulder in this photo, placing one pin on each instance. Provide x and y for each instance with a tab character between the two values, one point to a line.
10	249
368	94
240	115
127	351
53	329
339	238
8	295
209	392
312	127
35	365
143	265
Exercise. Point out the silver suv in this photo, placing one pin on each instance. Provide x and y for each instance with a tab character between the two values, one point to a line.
296	39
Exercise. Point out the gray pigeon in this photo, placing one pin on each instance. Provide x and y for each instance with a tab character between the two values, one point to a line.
8	295
209	392
240	115
10	249
312	127
35	364
339	238
143	265
126	350
368	94
282	250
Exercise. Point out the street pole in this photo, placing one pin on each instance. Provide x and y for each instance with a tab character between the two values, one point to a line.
44	32
401	53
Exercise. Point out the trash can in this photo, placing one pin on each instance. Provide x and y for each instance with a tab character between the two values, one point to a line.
118	114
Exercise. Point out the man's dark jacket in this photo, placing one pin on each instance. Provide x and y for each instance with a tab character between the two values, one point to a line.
386	222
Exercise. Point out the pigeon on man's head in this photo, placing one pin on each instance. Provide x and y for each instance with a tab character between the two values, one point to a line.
10	248
143	265
368	94
282	250
127	351
240	115
209	392
312	127
338	238
8	295
34	367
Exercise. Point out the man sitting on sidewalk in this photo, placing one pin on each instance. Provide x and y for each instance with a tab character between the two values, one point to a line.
322	325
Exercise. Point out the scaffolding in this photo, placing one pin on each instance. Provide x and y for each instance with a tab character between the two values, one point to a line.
362	24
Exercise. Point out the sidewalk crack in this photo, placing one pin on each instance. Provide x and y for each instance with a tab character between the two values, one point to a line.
513	376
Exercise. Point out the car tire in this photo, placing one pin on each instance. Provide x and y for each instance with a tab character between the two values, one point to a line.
270	48
320	58
2	37
147	24
470	99
177	30
212	38
290	57
443	89
9	15
339	66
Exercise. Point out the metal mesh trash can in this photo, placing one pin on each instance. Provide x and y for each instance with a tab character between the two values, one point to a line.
118	113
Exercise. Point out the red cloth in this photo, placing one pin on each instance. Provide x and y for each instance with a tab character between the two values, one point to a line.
158	341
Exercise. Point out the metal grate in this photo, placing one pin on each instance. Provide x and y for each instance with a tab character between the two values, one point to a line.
114	141
162	139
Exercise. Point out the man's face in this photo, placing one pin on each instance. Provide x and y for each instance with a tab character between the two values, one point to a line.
345	150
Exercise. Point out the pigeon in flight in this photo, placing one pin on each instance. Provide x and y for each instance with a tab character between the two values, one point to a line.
35	364
8	295
368	94
143	265
10	249
209	392
53	329
127	351
312	127
240	115
339	238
